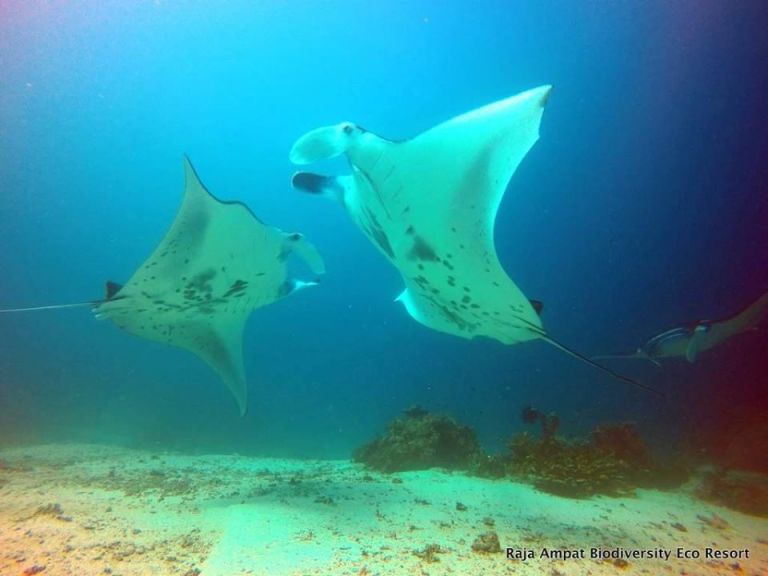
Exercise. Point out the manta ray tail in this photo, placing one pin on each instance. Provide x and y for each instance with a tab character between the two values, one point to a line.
615	355
594	364
627	356
112	288
49	307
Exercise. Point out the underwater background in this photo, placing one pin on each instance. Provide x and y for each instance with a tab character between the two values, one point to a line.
643	206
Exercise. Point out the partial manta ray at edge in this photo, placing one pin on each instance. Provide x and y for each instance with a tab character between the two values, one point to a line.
429	205
216	264
696	337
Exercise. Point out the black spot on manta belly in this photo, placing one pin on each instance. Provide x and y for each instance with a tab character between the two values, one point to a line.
454	318
237	287
421	250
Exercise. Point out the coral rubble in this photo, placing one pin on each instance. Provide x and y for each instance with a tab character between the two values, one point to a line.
429	553
487	543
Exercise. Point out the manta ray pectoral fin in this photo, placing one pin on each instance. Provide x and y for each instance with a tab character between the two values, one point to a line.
222	350
322	143
406	299
331	187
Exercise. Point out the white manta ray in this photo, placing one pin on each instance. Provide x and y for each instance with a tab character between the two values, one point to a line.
216	264
429	204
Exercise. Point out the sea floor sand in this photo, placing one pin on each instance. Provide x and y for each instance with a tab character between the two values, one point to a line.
87	510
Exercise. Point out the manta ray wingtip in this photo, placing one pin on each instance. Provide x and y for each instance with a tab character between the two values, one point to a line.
187	163
546	92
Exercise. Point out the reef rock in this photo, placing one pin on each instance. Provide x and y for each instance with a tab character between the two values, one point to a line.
420	440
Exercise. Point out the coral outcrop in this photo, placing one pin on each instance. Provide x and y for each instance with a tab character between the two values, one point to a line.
421	440
572	468
613	460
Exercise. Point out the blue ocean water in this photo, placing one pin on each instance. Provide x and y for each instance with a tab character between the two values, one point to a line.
643	206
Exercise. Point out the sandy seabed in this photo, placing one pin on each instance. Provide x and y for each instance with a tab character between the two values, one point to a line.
86	509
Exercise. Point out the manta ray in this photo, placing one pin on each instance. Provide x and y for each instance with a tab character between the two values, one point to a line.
696	337
429	205
216	264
